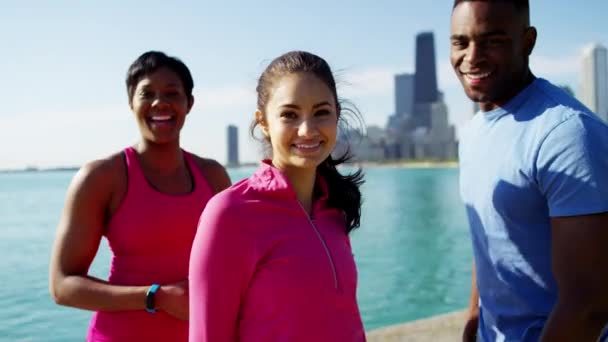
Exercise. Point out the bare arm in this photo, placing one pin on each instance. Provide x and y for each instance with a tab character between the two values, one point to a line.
470	328
215	173
580	262
77	241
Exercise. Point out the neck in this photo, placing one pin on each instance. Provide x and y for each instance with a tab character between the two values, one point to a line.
303	182
163	158
523	82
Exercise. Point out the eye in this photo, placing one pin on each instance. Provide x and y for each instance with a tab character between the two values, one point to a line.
146	94
493	42
289	115
322	112
172	94
459	43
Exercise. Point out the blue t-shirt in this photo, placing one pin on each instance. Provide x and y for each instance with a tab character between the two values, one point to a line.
541	155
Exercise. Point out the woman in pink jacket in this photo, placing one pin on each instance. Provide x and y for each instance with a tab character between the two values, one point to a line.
271	260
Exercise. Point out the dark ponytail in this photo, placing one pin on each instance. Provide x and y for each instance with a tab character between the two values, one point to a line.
344	193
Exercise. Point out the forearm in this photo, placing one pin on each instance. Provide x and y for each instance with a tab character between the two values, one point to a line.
473	309
573	323
579	261
89	293
472	318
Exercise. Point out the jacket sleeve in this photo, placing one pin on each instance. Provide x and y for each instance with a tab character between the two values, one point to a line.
221	265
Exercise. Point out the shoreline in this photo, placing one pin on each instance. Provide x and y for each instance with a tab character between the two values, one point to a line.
403	164
409	164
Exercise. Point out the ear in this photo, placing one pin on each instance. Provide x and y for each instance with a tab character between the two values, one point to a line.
529	40
190	104
259	118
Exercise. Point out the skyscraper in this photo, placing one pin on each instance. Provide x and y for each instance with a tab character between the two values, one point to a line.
420	128
404	94
594	83
233	145
425	88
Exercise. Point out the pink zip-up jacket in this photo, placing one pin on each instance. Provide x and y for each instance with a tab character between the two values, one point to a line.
262	269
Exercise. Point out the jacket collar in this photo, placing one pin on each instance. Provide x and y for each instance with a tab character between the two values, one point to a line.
272	181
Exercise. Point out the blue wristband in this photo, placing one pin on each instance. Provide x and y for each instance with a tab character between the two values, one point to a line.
150	305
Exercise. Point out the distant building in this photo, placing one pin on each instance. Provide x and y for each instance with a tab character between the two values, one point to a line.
397	129
594	83
369	147
426	74
233	145
404	94
419	127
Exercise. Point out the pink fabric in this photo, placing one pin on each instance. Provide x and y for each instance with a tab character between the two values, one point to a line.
150	236
260	272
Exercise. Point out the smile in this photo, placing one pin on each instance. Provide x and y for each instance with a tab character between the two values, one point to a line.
477	76
308	146
160	118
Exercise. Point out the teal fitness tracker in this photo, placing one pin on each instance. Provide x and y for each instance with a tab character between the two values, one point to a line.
150	304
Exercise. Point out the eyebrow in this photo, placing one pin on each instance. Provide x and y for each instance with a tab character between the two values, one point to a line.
483	35
320	104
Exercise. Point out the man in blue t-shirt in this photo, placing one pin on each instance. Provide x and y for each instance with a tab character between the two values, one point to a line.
534	179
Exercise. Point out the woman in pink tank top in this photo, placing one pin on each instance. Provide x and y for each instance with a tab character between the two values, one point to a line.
146	200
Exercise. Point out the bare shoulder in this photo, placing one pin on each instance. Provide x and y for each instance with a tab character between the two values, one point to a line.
103	171
100	181
214	173
91	193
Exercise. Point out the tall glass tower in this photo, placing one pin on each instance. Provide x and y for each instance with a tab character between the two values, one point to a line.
425	84
233	145
594	83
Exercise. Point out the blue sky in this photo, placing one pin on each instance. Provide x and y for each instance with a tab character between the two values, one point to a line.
63	63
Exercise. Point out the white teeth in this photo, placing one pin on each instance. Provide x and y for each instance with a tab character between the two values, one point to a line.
478	76
161	117
304	146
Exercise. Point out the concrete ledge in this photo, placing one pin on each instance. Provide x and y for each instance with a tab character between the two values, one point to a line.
445	327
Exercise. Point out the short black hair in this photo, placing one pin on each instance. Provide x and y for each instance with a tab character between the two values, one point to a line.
522	7
151	61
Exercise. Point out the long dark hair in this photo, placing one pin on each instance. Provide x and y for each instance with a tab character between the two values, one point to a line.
344	193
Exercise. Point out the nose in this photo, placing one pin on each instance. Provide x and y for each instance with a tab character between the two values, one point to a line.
474	53
307	128
160	100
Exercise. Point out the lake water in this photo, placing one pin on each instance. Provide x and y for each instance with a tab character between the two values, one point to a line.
412	251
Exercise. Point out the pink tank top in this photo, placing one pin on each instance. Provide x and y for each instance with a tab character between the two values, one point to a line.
150	237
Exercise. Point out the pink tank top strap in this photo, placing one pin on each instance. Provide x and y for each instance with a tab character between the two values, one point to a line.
200	181
135	173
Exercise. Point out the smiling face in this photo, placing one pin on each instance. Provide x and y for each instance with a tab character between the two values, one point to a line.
301	121
160	105
490	45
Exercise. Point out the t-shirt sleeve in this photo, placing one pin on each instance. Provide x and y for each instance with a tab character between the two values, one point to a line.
221	265
572	167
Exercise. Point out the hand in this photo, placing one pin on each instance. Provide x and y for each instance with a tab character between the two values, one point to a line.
173	299
470	329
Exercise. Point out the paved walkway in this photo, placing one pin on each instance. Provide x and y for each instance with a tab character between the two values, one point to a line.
442	328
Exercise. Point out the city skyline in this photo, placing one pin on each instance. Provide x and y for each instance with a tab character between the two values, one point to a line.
419	128
65	99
